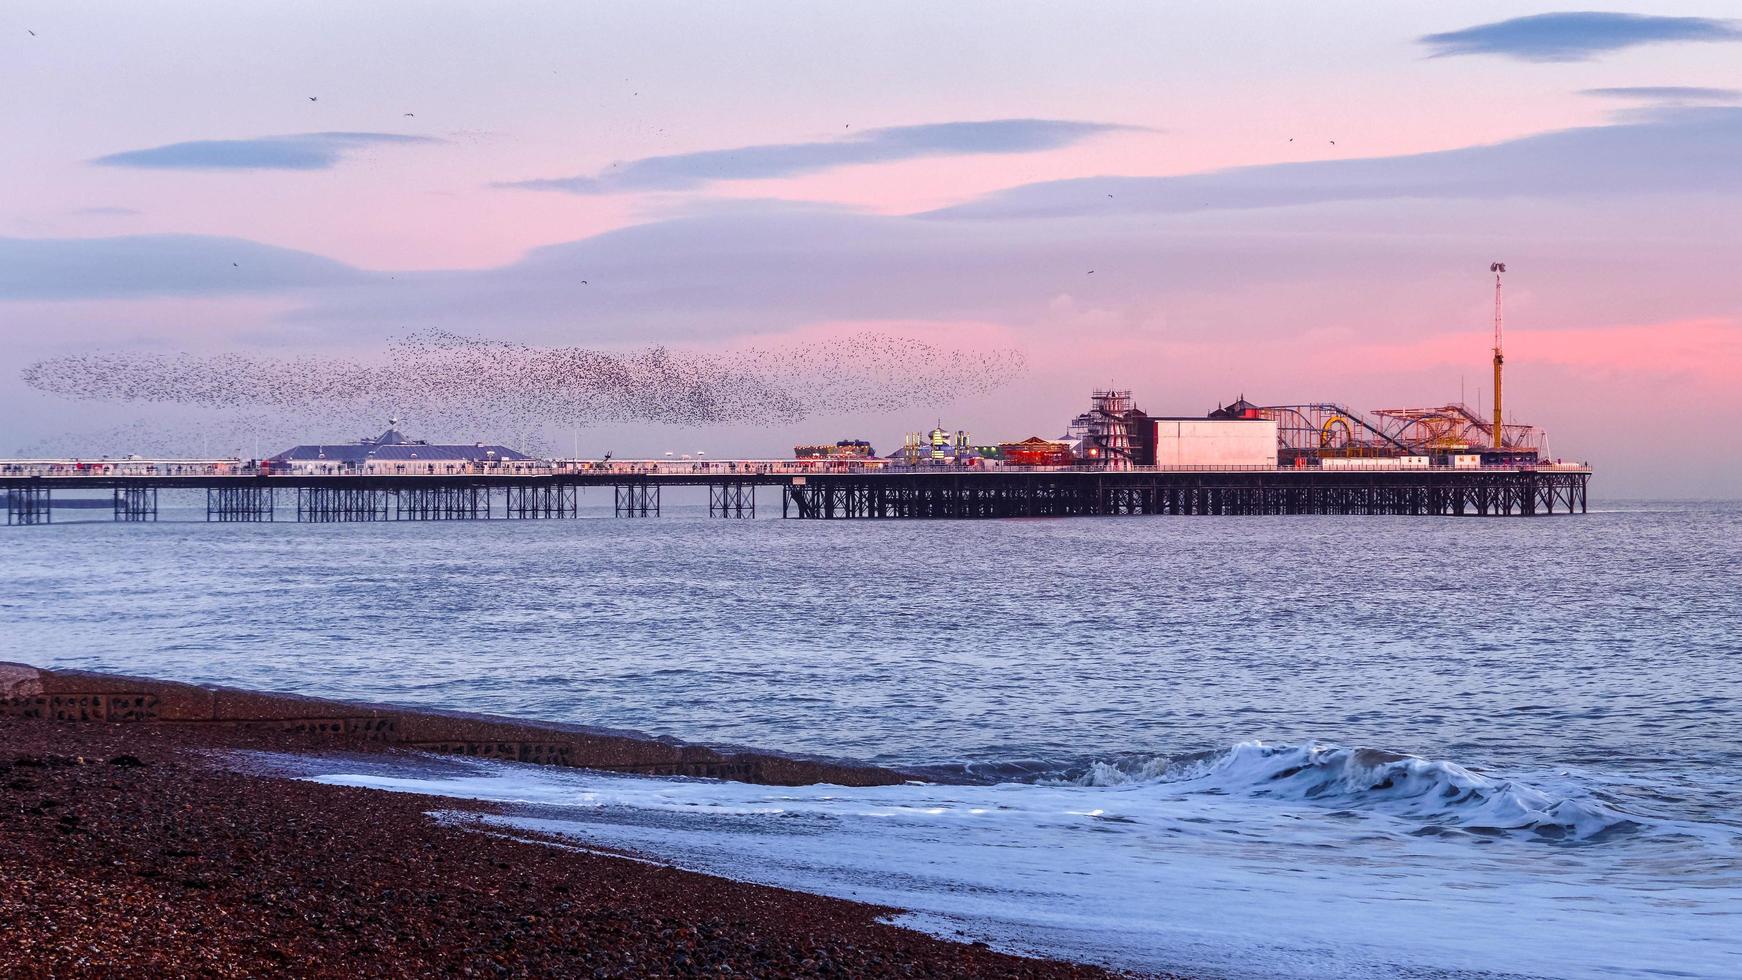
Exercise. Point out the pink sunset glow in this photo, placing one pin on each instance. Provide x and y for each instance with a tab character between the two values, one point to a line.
1705	355
1164	198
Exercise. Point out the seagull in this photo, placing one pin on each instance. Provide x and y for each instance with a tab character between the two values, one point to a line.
314	98
30	32
1333	142
235	265
583	282
1109	195
411	114
1091	272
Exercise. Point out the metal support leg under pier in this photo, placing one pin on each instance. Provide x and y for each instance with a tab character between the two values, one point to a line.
29	504
637	500
556	500
135	503
239	504
732	500
441	504
322	505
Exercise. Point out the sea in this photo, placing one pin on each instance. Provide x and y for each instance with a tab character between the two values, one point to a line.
1215	746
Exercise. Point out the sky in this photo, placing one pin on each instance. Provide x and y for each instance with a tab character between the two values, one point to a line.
1290	202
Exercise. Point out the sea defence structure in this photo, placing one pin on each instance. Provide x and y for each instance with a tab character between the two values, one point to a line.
828	491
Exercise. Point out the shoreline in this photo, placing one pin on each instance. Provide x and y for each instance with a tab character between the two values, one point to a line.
87	696
136	845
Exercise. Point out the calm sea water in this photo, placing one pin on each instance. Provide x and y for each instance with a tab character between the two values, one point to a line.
1163	713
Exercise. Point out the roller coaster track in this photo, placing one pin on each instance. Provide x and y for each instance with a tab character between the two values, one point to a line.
1313	417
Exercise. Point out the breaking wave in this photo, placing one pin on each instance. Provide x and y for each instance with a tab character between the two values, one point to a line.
1251	861
1441	795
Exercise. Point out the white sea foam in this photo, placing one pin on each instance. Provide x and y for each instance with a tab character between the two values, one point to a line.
1259	860
1441	794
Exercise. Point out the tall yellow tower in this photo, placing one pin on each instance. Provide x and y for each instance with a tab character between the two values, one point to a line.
1499	427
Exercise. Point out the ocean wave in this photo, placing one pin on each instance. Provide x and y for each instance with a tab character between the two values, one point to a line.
1441	795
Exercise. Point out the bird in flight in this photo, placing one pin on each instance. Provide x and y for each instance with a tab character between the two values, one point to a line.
30	32
411	114
314	98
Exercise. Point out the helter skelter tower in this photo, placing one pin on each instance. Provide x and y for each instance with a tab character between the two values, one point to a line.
1498	268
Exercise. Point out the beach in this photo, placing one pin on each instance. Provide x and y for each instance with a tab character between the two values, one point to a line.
157	847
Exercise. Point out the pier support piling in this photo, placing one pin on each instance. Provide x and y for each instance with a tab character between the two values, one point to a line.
29	503
637	499
542	501
447	503
249	504
1521	493
735	499
134	502
325	505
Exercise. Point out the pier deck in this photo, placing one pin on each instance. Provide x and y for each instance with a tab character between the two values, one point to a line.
810	494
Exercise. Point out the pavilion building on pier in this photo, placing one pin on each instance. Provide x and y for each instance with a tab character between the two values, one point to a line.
391	453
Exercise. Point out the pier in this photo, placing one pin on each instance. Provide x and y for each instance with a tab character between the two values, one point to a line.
838	491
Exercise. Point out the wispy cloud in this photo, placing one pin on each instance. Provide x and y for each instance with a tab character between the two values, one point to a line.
1667	93
158	265
1659	147
105	211
765	265
1576	36
686	170
299	151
